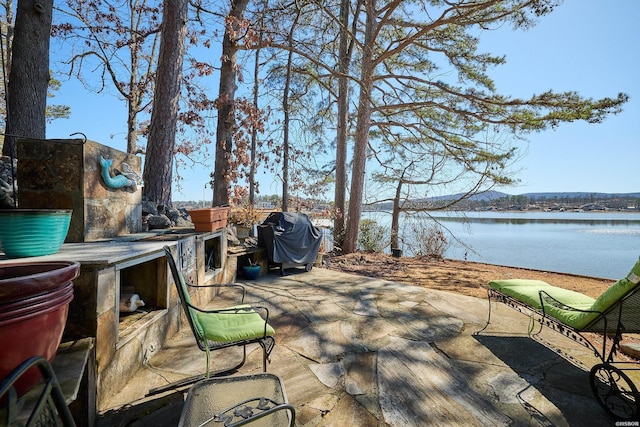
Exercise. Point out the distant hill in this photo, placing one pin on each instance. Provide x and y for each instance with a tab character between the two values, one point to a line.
538	196
608	200
494	195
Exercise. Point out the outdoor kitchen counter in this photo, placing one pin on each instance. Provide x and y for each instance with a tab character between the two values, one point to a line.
118	268
117	249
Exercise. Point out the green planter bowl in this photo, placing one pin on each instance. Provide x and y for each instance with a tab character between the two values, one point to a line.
33	232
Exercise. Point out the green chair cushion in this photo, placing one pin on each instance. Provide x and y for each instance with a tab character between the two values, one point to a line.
230	327
575	319
618	289
528	292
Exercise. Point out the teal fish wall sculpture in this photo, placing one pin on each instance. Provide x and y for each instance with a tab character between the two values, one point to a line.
118	181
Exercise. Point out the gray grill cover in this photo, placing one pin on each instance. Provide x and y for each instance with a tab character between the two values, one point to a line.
289	238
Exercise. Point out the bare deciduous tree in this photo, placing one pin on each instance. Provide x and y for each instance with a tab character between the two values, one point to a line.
225	104
119	44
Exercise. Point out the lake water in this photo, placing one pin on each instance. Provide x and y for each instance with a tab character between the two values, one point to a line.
603	245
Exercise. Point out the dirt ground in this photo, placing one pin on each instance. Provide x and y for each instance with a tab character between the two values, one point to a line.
465	277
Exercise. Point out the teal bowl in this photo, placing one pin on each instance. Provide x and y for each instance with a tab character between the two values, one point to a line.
33	232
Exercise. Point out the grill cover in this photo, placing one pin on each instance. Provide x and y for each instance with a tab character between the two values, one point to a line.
289	238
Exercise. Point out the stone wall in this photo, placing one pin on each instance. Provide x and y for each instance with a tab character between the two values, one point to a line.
66	174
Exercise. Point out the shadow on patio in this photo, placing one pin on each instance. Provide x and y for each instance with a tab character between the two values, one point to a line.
352	350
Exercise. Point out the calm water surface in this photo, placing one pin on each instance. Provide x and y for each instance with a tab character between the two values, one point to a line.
592	244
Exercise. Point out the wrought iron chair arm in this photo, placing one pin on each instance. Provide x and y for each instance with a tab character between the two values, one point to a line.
221	285
49	396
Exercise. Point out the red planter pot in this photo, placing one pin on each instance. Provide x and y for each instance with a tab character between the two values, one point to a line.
209	219
34	304
27	279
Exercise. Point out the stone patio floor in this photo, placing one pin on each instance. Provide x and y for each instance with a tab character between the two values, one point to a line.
357	351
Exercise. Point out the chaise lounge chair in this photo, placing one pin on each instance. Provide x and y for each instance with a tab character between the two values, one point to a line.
573	314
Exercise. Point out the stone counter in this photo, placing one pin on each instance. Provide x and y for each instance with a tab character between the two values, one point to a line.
134	263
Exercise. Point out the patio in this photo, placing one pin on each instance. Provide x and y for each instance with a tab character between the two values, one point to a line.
357	351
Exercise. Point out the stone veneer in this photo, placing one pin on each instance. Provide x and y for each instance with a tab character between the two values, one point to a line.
66	174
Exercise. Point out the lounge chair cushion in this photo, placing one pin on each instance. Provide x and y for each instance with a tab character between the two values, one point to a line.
234	326
618	289
528	292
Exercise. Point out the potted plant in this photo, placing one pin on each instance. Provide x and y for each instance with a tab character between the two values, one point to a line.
244	217
251	271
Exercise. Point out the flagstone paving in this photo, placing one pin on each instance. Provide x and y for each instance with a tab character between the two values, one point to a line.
354	351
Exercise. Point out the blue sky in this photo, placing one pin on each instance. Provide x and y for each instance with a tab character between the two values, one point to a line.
590	46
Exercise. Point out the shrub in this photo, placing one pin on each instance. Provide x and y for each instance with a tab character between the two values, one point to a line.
429	239
372	236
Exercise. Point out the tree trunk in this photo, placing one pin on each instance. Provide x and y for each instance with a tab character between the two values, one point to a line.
286	120
362	134
285	135
226	98
254	131
133	106
134	100
341	137
395	217
158	166
29	76
8	38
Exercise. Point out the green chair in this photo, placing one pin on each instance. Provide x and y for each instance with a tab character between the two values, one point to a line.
216	329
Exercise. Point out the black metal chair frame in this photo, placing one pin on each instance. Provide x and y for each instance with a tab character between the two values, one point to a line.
50	407
248	410
266	342
613	389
